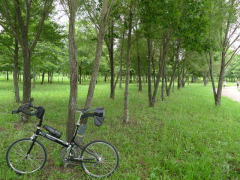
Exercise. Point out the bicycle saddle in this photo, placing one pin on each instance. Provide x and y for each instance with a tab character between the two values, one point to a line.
53	131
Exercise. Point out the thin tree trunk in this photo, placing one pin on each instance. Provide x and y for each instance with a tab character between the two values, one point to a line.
51	77
163	53
105	78
153	69
139	70
220	81
34	80
73	70
80	74
149	73
7	77
172	79
183	75
128	63
26	75
163	83
111	57
16	72
103	22
43	75
205	78
179	75
210	65
121	58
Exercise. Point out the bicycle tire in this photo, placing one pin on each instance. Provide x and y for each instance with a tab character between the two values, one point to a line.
98	162
22	160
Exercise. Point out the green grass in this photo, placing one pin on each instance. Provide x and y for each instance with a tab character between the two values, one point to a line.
185	137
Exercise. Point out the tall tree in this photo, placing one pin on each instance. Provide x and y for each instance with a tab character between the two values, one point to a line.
128	64
224	15
72	105
103	21
23	12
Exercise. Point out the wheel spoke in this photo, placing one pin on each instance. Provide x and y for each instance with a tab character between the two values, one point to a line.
107	159
22	163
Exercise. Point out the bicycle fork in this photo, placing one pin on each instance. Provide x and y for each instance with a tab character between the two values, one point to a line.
33	138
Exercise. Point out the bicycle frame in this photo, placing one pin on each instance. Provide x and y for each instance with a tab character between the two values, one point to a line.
66	144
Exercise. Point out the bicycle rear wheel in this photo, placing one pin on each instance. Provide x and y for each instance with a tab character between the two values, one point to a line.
99	159
23	163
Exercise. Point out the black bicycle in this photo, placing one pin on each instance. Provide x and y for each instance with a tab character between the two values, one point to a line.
97	158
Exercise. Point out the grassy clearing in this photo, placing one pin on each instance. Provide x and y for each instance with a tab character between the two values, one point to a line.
185	137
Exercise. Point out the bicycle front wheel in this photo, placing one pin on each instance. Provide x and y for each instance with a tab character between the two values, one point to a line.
99	159
20	161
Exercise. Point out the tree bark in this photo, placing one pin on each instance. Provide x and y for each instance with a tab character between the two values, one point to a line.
179	75
149	73
128	64
172	78
110	45
220	81
72	106
139	69
163	83
121	58
16	72
80	74
162	59
210	65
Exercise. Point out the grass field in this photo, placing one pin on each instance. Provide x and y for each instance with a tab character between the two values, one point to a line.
185	137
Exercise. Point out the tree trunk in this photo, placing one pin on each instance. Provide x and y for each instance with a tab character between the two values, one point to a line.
7	76
105	78
80	74
16	72
162	59
73	70
128	63
51	77
210	66
139	70
172	78
26	75
43	75
183	75
153	69
220	81
103	22
149	73
130	76
121	58
179	75
34	80
163	83
111	57
205	78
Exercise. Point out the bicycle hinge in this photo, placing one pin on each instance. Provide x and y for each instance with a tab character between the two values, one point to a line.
33	136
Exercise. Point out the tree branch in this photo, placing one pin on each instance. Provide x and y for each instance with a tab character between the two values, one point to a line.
232	56
46	9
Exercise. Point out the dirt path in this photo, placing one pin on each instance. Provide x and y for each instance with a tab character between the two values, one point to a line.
232	92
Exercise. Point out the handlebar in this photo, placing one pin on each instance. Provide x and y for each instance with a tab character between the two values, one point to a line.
25	109
28	110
